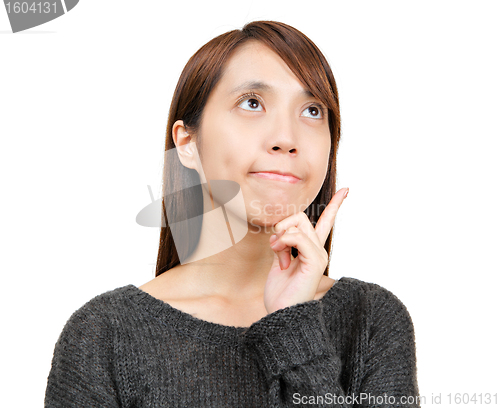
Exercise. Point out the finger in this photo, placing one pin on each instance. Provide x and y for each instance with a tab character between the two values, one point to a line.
284	258
327	219
283	254
302	222
308	250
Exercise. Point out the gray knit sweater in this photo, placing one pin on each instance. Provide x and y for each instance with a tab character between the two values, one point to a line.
354	347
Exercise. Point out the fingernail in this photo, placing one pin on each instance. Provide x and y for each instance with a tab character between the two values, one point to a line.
346	192
273	238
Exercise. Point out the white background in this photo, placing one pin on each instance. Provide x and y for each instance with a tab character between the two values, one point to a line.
83	111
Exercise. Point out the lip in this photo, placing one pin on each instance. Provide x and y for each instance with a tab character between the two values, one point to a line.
277	176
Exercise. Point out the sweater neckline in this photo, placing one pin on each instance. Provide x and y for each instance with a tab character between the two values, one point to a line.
192	326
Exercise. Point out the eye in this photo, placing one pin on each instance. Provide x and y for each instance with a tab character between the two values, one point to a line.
251	103
314	112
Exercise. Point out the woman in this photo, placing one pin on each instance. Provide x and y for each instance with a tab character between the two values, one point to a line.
258	322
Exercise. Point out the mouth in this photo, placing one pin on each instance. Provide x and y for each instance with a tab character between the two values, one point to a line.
277	176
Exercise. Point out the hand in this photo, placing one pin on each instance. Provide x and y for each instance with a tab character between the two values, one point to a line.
295	281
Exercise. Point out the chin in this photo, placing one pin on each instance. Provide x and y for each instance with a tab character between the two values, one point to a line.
277	208
265	223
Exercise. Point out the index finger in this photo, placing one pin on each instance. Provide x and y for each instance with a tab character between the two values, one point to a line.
327	219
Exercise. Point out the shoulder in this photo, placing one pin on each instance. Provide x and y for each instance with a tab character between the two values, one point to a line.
375	303
373	292
98	313
106	301
85	356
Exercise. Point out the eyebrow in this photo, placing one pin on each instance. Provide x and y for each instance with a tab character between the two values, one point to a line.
261	86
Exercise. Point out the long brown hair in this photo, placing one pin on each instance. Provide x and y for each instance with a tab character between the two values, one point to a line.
199	77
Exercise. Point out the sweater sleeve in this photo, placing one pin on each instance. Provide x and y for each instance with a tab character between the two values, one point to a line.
389	362
81	374
293	349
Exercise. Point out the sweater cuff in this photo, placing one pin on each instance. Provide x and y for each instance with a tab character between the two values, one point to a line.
288	338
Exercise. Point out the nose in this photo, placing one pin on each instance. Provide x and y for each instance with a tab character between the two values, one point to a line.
283	135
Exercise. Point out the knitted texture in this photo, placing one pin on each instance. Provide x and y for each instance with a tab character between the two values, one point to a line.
355	347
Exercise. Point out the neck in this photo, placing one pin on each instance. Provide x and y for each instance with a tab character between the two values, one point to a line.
240	271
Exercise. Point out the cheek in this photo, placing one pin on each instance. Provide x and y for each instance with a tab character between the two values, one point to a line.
227	145
319	164
212	140
324	162
223	157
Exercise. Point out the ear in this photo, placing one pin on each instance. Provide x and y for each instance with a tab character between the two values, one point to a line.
184	145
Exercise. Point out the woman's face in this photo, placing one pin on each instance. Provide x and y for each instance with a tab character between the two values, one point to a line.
260	118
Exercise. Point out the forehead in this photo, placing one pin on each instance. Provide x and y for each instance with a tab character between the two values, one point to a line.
254	62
